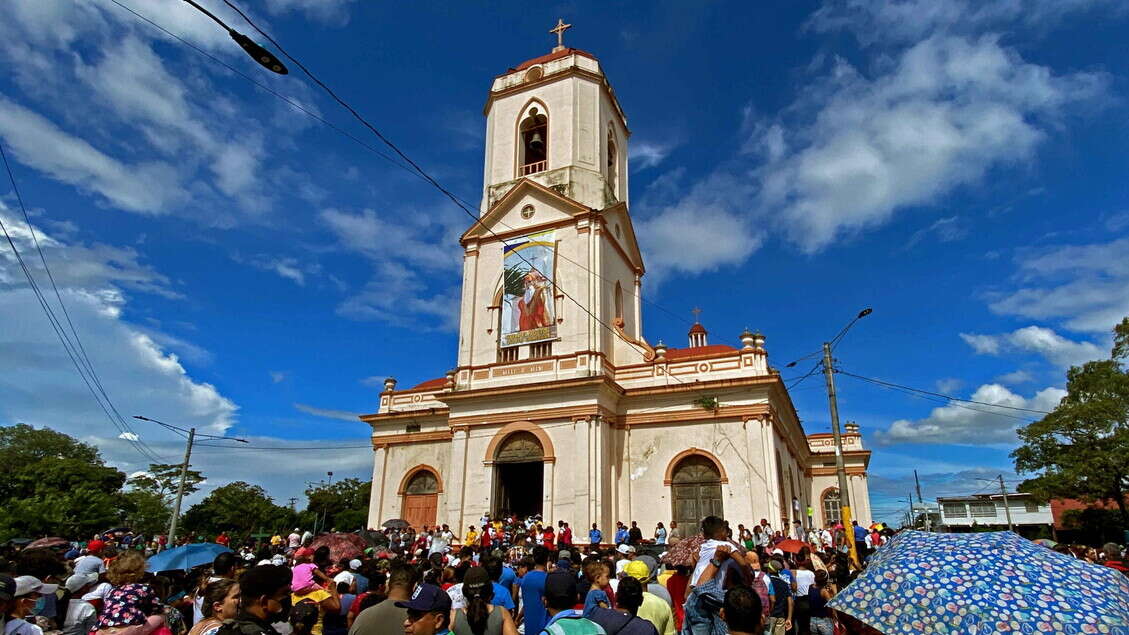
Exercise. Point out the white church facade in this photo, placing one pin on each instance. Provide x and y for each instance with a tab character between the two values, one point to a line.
557	405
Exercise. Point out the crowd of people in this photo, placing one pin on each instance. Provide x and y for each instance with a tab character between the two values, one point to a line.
503	576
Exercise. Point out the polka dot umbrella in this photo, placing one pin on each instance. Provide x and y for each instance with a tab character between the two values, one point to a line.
984	583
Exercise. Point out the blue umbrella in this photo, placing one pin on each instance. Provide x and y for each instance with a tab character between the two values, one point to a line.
186	557
981	584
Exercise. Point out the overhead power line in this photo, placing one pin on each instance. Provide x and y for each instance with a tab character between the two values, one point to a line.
71	342
937	394
392	160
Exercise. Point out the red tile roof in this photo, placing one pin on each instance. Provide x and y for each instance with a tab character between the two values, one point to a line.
699	351
697	328
550	57
438	382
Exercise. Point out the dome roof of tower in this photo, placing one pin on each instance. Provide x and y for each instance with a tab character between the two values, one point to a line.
698	328
555	55
699	351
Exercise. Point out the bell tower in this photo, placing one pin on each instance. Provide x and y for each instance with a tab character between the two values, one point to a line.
555	120
552	270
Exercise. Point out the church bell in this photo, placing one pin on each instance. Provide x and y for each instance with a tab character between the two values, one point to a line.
537	142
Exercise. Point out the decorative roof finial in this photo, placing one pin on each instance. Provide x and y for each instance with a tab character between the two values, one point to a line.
697	314
559	30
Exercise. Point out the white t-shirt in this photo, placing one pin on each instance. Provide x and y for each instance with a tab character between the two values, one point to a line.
705	554
21	627
80	617
804	580
89	564
458	600
99	592
294	540
345	576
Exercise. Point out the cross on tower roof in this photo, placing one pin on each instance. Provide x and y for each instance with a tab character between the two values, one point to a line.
697	313
559	30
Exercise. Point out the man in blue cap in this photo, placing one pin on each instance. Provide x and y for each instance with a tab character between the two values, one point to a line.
429	611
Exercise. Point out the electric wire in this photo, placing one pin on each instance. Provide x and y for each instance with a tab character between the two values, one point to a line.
937	394
363	144
438	186
126	433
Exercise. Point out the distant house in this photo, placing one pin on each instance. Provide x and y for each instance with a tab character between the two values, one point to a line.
986	511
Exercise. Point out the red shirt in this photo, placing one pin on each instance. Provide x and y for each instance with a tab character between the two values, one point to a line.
486	541
566	536
222	539
547	539
676	586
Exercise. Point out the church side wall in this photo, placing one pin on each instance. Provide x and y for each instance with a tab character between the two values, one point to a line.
399	460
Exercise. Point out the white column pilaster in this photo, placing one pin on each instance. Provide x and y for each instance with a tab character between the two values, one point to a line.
455	480
376	494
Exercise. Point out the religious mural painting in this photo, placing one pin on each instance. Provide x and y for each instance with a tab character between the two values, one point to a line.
528	311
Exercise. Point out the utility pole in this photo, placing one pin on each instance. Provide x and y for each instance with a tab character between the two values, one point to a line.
840	467
293	504
191	435
1007	510
180	488
325	510
921	500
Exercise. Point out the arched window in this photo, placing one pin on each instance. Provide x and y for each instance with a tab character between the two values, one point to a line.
613	165
831	506
533	143
618	301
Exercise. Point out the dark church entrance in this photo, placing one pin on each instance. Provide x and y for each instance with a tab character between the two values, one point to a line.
519	475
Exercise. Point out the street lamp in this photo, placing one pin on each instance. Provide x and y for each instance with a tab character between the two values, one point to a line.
252	48
840	466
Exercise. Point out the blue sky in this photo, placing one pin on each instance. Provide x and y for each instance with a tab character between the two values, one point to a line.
233	264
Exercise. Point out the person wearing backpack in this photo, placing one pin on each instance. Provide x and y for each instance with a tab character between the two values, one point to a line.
780	617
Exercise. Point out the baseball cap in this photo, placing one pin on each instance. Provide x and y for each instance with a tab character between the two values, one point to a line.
304	552
625	549
7	587
26	584
94	546
560	588
354	564
638	570
79	580
565	554
427	598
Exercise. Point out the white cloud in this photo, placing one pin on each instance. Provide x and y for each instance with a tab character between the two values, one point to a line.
415	267
949	384
278	376
905	128
138	374
335	12
945	230
695	236
1015	377
973	423
373	381
1057	349
874	21
647	154
149	187
1085	286
935	118
343	415
286	267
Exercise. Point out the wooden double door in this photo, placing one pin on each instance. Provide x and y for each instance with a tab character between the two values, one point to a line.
695	493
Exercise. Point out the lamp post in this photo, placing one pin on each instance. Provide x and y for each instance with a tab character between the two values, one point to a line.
840	466
264	57
191	432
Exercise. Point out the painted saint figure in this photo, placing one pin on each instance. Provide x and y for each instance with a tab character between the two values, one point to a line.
532	309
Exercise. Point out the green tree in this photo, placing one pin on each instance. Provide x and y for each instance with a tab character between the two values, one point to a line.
1081	449
162	479
239	508
146	512
343	505
55	485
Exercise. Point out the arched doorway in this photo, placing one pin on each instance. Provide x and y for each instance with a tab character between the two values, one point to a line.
695	488
831	506
519	475
420	491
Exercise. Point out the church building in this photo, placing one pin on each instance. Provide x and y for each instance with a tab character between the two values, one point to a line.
557	405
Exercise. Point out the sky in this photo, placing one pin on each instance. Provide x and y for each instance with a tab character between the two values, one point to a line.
235	256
